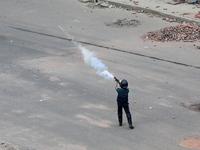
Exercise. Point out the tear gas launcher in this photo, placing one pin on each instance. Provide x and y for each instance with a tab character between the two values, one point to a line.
117	80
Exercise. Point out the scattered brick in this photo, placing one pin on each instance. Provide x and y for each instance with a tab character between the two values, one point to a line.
185	14
197	15
135	2
187	32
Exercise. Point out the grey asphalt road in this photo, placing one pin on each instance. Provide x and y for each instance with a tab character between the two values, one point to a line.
51	100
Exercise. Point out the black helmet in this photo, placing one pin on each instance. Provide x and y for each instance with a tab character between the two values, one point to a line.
124	84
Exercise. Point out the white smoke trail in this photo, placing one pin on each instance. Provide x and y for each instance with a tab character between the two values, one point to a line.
66	33
91	59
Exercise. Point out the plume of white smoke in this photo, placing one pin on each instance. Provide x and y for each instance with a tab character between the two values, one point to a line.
91	59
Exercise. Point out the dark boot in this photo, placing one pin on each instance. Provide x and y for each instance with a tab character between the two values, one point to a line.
120	124
131	126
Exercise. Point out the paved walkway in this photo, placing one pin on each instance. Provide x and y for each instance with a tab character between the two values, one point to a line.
182	11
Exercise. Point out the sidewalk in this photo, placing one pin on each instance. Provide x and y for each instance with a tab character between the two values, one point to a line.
182	11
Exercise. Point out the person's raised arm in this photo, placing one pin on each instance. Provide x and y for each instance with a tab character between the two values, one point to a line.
116	86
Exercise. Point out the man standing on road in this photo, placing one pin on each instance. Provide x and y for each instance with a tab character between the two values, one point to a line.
122	102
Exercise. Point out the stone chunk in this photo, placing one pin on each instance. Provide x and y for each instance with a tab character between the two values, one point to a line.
104	4
86	1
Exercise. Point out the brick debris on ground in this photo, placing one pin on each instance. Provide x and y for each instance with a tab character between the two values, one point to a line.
124	22
187	32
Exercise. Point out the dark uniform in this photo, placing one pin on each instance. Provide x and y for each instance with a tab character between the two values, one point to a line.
122	102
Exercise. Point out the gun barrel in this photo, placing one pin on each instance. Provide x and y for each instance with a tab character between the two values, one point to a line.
116	79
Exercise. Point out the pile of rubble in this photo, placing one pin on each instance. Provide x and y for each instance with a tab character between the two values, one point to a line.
124	22
188	1
187	32
9	146
185	1
192	106
97	4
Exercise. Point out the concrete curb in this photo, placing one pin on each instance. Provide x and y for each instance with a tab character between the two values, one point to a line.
8	146
147	10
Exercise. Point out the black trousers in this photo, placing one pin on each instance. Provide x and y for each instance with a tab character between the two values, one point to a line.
127	111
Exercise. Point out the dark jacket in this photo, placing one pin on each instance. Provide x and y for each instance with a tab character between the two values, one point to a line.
122	97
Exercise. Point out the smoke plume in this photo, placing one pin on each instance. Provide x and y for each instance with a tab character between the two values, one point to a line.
91	59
